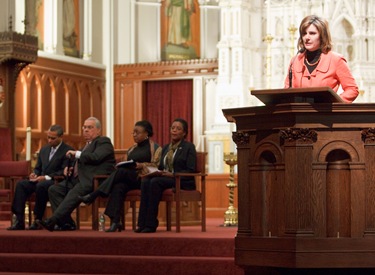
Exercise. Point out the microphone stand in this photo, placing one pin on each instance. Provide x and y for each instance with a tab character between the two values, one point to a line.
291	66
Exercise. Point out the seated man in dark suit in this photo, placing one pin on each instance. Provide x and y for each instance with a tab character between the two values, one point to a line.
51	162
97	157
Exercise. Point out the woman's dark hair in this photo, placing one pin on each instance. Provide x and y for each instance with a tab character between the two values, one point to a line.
184	124
145	124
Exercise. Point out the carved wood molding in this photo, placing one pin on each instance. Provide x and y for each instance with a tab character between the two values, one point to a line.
303	135
166	69
368	136
241	138
20	47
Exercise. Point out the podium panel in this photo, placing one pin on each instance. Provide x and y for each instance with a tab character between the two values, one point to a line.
306	185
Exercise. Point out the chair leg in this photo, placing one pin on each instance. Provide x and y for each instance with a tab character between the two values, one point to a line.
178	216
95	214
30	213
123	219
78	222
133	205
169	215
203	216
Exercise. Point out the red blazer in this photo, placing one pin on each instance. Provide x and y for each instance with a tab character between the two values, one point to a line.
331	71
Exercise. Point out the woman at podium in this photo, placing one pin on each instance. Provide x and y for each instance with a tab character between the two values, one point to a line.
316	65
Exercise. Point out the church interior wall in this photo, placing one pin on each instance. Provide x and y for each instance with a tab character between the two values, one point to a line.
97	33
231	32
147	37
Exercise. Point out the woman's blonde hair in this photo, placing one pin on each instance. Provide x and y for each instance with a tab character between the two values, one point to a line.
323	29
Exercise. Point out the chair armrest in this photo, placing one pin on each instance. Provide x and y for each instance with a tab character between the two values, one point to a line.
189	174
178	180
101	176
96	179
58	179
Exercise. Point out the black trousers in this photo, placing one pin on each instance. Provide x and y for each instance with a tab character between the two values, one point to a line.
151	193
116	186
24	189
64	199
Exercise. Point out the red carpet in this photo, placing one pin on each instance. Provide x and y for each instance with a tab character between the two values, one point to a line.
91	252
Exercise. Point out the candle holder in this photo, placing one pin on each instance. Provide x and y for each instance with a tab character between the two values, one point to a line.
292	31
268	39
231	215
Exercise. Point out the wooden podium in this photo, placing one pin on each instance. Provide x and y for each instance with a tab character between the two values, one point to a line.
306	184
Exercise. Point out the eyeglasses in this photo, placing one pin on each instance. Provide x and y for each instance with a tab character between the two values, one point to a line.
52	138
84	127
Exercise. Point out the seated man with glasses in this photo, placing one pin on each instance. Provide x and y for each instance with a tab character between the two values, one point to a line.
51	162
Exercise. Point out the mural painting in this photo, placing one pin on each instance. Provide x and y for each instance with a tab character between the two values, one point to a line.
180	29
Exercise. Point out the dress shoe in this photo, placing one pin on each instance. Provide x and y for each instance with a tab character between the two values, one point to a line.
47	224
68	227
35	226
87	199
148	230
17	226
139	230
114	227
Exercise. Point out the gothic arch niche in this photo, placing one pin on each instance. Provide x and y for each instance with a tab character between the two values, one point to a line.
21	113
60	105
338	194
97	103
342	37
267	178
21	97
48	94
86	104
74	110
338	156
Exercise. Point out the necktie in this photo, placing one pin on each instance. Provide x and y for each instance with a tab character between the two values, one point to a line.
53	150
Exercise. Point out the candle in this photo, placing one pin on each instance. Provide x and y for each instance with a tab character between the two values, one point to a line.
28	143
268	16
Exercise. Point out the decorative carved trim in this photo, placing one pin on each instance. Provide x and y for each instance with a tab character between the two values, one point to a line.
368	135
304	135
167	69
20	47
241	138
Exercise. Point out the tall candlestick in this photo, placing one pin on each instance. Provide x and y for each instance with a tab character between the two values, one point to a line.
28	143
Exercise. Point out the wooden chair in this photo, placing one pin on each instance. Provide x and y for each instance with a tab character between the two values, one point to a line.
179	195
13	171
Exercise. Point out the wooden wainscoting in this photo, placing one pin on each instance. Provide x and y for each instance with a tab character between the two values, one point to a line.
57	92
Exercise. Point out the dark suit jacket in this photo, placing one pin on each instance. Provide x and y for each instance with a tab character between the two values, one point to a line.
184	160
55	166
98	158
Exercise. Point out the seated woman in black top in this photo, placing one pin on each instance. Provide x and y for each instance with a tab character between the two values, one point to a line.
145	153
178	156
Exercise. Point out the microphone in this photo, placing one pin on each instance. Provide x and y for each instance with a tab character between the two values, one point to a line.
291	66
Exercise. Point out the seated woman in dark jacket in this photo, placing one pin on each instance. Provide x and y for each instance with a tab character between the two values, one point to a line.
145	153
178	156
